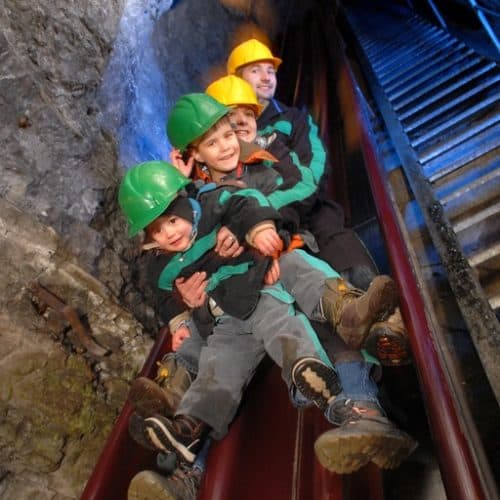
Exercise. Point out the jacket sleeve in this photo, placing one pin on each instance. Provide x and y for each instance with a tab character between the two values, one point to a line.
243	209
298	184
167	304
297	194
306	143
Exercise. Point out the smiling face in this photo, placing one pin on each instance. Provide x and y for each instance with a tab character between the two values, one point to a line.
243	122
172	233
218	149
262	77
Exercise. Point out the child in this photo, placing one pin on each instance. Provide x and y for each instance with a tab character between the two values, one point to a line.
387	341
205	139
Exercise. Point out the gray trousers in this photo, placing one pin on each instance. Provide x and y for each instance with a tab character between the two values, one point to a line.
302	276
236	347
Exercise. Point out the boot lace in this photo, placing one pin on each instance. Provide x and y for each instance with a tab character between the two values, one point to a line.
350	411
348	294
165	370
185	482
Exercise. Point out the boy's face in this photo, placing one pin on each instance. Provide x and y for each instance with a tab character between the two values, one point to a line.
244	123
172	233
262	77
219	150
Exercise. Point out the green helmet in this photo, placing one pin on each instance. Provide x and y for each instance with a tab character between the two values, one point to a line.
147	190
191	116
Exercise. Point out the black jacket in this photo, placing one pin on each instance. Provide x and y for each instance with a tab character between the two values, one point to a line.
234	283
297	130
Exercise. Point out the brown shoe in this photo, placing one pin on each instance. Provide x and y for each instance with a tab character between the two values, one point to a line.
182	434
352	312
388	341
136	431
183	484
161	397
365	435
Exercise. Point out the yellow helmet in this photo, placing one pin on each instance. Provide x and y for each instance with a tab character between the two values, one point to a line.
248	52
232	90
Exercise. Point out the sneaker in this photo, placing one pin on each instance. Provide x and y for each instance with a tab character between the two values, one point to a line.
388	341
161	397
352	312
365	435
136	431
316	381
182	434
183	484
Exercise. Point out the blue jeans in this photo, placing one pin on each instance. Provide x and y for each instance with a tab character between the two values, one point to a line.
357	385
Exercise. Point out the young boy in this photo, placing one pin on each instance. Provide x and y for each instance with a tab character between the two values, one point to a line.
388	342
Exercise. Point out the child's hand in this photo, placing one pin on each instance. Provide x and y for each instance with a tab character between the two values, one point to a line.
227	244
267	241
179	336
179	163
273	273
192	289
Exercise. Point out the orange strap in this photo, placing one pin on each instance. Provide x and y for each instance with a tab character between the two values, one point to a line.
295	242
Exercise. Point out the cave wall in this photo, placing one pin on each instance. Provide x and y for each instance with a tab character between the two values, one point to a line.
60	226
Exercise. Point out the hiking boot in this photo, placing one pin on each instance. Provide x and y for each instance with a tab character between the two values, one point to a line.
352	312
161	397
182	434
364	435
183	484
388	341
316	381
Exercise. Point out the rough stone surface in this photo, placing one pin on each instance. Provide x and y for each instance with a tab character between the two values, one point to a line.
57	403
60	226
59	174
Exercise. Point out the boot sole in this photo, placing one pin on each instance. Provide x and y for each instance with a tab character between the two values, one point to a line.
148	485
395	450
161	437
344	453
316	381
148	398
390	348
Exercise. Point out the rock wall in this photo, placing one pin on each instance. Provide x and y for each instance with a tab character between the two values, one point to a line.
60	227
57	400
59	171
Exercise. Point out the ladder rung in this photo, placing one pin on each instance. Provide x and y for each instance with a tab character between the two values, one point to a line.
463	137
460	117
464	79
477	218
484	255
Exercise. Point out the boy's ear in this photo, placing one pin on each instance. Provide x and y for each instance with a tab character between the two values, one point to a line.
196	155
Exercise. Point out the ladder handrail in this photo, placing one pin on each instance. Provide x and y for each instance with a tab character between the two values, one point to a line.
480	11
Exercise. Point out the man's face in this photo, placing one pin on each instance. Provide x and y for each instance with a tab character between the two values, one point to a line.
219	150
172	233
262	77
243	122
